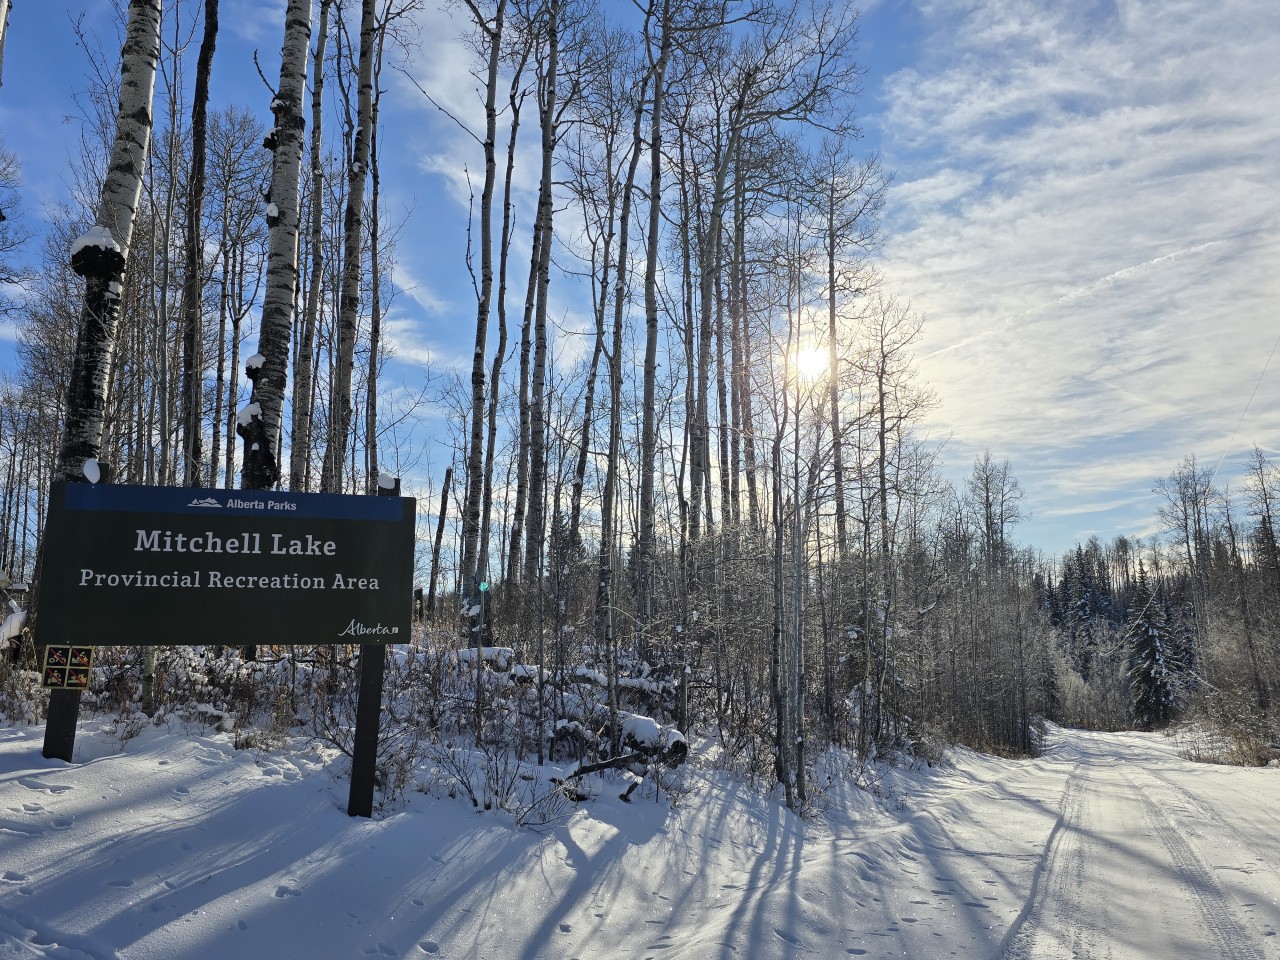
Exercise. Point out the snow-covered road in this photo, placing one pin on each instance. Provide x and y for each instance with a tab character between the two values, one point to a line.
1153	857
181	848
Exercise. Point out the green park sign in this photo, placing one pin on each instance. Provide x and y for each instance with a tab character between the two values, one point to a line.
176	565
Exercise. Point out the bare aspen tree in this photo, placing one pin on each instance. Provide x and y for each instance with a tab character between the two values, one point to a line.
848	197
434	576
5	6
100	257
549	115
260	425
657	18
520	507
1262	495
490	45
1189	501
193	286
890	330
605	616
788	70
372	471
353	239
515	102
301	433
238	176
599	149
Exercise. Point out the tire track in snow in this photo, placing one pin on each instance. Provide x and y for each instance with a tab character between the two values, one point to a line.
1202	811
1058	877
1200	881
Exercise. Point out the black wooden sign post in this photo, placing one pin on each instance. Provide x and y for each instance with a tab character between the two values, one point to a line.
364	753
134	565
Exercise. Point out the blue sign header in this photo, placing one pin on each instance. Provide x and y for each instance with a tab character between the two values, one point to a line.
225	503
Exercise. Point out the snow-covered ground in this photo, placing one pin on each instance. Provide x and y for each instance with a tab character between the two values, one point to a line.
182	847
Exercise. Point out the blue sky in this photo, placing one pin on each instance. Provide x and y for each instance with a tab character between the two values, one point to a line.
1085	208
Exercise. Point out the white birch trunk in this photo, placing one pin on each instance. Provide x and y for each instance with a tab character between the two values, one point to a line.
300	439
261	430
537	519
472	508
4	34
101	255
353	238
649	427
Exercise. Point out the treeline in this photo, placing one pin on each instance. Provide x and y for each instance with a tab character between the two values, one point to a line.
1187	625
727	486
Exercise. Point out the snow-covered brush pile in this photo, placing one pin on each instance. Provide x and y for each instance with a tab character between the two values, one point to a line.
476	723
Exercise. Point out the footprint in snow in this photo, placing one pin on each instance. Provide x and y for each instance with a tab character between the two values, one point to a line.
429	946
566	928
31	783
418	902
241	925
62	823
857	952
283	891
12	876
787	936
12	826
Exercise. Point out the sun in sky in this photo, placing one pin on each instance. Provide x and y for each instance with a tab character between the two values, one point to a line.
809	363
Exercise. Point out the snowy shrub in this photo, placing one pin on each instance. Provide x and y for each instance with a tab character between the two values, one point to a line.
22	700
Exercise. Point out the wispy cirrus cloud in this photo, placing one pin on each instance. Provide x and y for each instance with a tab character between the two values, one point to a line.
1085	210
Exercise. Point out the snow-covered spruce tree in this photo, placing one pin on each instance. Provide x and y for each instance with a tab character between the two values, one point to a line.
259	423
1153	668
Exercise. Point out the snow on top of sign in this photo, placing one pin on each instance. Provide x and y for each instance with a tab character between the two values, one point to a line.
92	472
95	236
386	481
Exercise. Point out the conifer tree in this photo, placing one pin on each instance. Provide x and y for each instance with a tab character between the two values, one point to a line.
1153	667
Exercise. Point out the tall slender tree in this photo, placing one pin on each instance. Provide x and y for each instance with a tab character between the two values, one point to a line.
5	6
101	257
490	25
300	439
193	287
260	424
353	241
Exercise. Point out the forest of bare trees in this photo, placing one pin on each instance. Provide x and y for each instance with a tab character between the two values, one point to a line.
724	498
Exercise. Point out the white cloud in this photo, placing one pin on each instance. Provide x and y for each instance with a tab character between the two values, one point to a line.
1085	209
258	22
